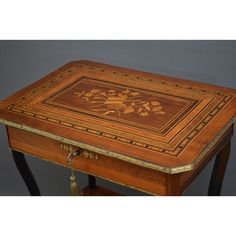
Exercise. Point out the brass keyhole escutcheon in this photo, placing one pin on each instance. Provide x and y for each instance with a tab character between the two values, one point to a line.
89	155
66	147
82	153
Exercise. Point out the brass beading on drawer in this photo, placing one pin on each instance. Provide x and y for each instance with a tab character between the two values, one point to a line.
88	154
83	153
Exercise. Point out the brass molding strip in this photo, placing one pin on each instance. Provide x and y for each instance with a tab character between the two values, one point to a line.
132	160
86	172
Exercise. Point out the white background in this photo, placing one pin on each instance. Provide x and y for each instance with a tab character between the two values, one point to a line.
117	20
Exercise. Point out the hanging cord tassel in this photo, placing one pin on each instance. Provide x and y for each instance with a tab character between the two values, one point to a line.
75	189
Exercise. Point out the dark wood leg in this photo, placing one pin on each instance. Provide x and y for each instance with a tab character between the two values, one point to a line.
218	171
92	181
25	173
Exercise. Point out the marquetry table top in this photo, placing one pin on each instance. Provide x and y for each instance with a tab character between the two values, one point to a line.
151	120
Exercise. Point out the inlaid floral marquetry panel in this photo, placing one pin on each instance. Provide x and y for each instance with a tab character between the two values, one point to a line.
145	109
120	102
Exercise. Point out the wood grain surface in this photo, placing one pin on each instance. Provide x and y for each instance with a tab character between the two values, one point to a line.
154	120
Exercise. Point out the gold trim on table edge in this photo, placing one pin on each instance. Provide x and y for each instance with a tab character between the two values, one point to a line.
122	157
86	172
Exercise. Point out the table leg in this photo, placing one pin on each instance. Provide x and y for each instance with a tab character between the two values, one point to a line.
92	181
218	171
25	173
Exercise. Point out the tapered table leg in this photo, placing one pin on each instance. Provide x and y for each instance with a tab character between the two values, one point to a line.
26	173
218	171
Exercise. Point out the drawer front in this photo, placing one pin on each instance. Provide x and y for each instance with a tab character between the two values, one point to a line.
106	167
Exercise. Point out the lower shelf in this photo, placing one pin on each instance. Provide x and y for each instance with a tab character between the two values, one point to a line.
99	191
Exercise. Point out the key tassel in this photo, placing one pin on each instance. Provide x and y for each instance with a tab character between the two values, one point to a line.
75	189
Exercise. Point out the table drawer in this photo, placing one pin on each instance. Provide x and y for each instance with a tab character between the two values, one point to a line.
106	167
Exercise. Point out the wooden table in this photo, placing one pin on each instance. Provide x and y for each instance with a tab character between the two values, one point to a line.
150	132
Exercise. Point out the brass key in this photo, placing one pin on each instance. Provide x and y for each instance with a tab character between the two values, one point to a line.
75	189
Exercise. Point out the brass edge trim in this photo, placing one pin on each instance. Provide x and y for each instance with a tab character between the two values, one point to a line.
132	160
86	172
214	141
86	146
191	166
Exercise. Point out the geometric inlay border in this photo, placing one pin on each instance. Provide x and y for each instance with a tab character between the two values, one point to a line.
226	98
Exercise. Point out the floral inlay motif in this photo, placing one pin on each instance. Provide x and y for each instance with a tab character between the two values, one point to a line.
120	102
